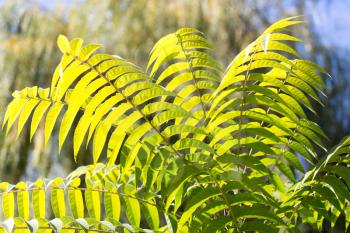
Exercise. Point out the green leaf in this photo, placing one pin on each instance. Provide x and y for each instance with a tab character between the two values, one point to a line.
75	197
217	225
57	198
195	202
88	50
8	200
150	211
87	118
51	118
13	111
328	195
343	172
340	189
23	200
104	127
112	202
257	226
278	182
76	100
186	173
37	116
257	212
132	206
95	119
187	143
27	110
38	199
63	44
75	46
287	171
114	146
93	203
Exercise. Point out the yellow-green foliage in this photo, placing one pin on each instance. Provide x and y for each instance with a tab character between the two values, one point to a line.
188	146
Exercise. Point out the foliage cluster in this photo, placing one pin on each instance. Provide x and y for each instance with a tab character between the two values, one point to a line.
188	147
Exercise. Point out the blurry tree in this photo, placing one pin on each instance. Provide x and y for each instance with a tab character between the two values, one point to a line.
119	25
27	40
334	118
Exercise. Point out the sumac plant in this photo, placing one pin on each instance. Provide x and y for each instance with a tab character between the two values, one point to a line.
186	146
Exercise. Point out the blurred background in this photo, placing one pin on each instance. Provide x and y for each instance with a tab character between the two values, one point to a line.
28	53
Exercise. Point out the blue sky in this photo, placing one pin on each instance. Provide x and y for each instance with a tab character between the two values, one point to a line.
331	19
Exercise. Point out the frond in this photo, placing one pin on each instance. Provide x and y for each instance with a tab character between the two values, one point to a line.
323	193
195	152
181	62
34	101
100	203
115	96
263	96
